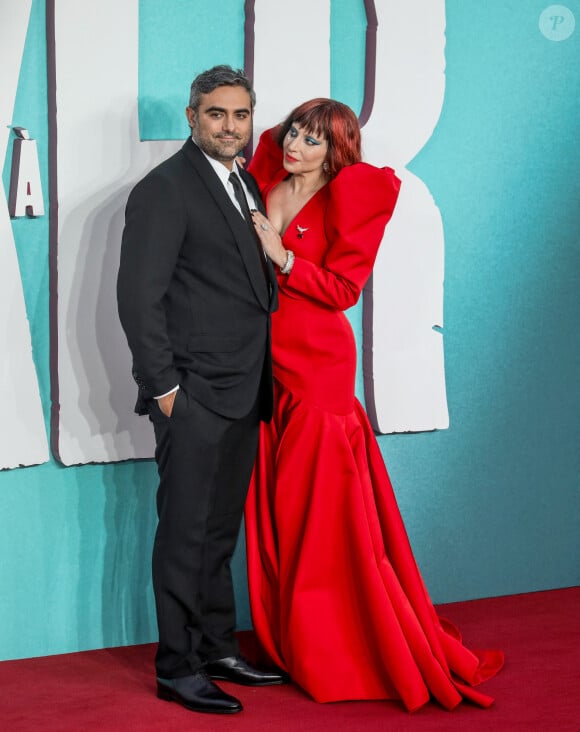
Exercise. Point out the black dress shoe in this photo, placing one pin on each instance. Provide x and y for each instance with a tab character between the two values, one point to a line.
198	693
238	670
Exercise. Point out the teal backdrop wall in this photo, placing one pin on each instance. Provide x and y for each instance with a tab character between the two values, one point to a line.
492	504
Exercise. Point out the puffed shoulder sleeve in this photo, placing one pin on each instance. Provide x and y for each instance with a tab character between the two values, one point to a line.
361	202
266	164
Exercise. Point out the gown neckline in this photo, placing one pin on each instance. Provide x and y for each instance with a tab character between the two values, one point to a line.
298	213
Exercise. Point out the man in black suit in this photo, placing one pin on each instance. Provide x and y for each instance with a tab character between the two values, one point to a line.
195	294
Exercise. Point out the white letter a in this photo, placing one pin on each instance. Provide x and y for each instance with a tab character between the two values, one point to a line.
25	187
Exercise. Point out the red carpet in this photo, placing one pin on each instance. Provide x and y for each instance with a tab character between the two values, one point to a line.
114	689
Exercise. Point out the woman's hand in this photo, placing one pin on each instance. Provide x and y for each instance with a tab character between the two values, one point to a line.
270	239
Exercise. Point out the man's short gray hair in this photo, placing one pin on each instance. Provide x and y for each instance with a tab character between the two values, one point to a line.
222	75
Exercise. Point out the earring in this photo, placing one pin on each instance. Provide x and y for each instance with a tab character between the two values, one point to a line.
325	167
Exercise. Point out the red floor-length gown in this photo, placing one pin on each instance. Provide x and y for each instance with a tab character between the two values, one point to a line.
335	593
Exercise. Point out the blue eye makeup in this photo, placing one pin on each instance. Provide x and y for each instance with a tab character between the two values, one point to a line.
293	132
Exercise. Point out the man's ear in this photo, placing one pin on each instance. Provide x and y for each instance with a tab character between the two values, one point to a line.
190	114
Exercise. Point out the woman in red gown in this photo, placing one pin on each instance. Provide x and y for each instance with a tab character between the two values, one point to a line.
336	597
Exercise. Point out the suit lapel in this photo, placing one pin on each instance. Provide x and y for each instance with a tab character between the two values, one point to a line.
242	234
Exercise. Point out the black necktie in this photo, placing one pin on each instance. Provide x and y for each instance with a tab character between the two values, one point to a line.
243	201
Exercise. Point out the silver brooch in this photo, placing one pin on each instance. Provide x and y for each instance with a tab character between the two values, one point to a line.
301	230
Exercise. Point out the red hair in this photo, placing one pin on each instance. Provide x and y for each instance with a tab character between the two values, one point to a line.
333	120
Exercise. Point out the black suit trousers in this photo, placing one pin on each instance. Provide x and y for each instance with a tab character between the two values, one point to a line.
205	462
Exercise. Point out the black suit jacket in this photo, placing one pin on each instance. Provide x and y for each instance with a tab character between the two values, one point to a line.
192	296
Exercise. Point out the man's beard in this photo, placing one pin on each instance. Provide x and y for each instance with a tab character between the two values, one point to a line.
222	151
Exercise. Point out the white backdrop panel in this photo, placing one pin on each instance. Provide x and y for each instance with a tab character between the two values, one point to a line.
291	57
406	378
99	159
